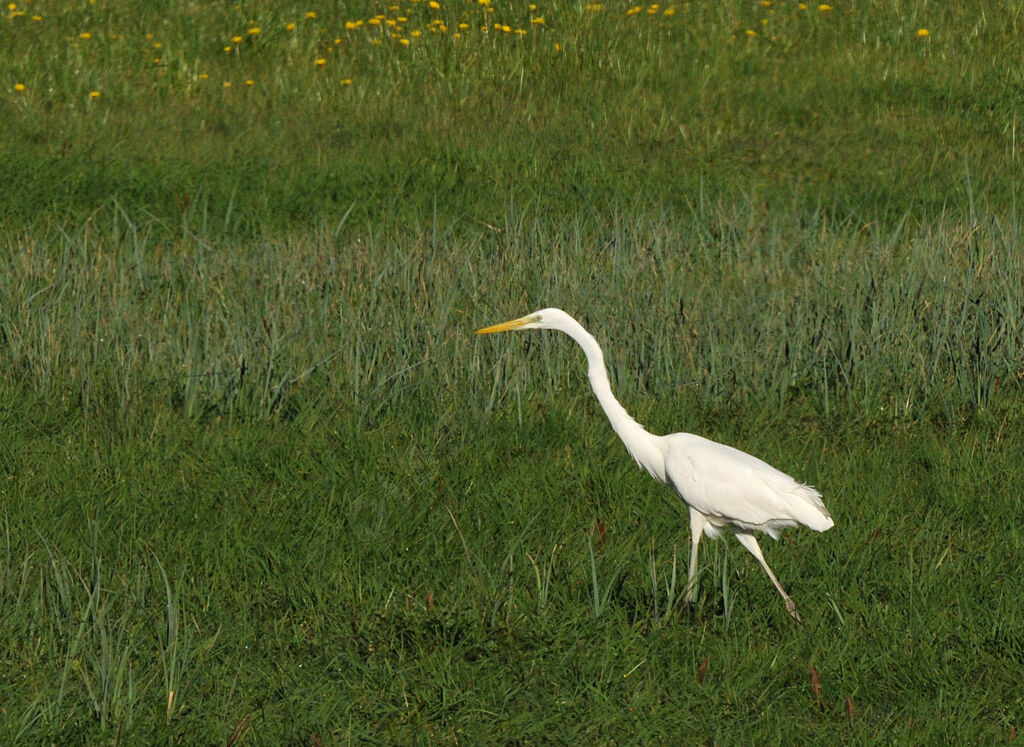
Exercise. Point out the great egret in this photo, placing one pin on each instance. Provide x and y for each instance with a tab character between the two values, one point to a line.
723	487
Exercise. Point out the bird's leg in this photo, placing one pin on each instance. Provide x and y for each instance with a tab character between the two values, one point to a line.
697	522
750	542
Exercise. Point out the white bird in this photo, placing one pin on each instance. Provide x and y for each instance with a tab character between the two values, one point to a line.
723	487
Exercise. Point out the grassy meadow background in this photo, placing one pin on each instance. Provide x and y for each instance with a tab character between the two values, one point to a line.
260	483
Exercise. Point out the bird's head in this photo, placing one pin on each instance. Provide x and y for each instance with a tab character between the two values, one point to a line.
543	319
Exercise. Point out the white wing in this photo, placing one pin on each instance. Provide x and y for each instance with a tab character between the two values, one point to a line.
733	488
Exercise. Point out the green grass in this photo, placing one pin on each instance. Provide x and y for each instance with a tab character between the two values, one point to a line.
259	482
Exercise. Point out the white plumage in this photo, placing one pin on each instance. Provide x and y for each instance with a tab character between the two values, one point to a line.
724	488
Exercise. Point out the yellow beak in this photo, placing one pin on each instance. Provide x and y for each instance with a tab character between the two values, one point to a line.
504	326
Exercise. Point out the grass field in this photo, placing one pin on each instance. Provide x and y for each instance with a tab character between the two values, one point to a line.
260	483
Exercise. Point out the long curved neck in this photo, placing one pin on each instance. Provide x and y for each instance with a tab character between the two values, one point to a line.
642	444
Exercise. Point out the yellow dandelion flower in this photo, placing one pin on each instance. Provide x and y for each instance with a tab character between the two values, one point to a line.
521	32
12	6
802	6
236	39
766	3
824	8
670	11
158	45
290	26
19	87
538	21
94	94
751	32
203	76
506	28
337	42
37	18
227	84
228	48
156	60
922	33
85	35
310	14
320	62
149	37
558	47
403	19
434	5
250	82
350	25
415	34
254	31
532	7
346	82
634	10
463	26
404	42
374	22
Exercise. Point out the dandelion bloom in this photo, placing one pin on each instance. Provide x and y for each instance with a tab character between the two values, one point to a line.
254	31
320	62
94	94
19	87
404	42
823	7
751	32
228	48
203	76
85	35
922	32
236	39
227	84
434	5
539	21
346	82
310	14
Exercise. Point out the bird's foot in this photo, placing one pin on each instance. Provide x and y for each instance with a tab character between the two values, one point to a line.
791	608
